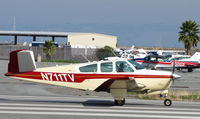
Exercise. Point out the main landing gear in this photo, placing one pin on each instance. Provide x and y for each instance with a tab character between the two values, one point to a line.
120	102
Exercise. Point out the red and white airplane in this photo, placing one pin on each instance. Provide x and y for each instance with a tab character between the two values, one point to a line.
116	77
154	62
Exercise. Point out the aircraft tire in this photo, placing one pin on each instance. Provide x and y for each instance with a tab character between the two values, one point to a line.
190	69
120	102
167	102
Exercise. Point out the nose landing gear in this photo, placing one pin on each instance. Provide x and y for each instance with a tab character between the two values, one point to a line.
167	102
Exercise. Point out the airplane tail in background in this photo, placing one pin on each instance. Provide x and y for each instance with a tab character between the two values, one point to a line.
195	57
132	47
21	61
142	51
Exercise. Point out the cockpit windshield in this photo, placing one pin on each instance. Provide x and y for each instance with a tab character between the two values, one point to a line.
136	65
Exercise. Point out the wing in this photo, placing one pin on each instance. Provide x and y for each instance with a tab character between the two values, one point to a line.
129	84
132	84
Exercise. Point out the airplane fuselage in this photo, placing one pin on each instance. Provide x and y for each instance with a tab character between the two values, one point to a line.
116	77
95	81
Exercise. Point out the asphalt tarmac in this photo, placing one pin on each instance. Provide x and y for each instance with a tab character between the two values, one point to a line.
22	100
73	107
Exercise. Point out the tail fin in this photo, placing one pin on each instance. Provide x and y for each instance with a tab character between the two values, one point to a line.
142	51
132	47
196	57
21	61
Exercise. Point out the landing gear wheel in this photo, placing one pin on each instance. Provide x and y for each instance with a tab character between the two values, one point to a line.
190	69
120	102
168	102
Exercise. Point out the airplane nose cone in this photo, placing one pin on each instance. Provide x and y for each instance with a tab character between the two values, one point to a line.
175	76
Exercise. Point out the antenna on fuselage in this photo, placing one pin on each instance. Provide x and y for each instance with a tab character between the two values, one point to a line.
54	61
14	23
85	57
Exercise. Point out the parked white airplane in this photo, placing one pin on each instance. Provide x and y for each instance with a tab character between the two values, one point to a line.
121	51
142	54
194	58
128	55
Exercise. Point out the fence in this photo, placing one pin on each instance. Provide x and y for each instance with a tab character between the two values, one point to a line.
79	54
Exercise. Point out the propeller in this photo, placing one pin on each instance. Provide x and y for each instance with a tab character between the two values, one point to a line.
174	76
173	70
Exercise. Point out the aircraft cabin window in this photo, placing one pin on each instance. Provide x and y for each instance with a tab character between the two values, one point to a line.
89	68
122	66
136	65
147	58
153	59
160	60
107	67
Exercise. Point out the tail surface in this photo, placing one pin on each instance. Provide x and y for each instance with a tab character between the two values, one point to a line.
142	51
21	61
196	57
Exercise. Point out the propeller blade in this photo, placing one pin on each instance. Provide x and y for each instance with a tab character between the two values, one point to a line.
173	76
173	67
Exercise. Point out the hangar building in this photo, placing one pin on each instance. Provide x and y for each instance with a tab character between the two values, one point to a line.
75	40
91	40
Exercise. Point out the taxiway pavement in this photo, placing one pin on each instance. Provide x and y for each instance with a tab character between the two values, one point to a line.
72	107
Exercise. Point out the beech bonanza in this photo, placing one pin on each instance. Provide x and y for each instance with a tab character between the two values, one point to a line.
114	76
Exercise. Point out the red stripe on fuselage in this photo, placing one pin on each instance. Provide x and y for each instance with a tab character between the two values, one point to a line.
141	61
177	63
78	78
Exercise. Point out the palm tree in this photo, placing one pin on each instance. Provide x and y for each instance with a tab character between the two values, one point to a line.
49	49
189	35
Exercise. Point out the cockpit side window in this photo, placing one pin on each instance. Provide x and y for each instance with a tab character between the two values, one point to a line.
136	65
160	59
89	68
147	58
122	66
153	59
107	67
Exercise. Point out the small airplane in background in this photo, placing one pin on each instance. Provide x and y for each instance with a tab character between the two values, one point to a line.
193	58
113	76
122	51
155	61
128	55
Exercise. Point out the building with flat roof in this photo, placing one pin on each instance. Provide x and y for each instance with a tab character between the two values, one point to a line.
75	40
91	40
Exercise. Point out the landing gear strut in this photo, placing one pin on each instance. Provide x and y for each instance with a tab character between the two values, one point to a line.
167	102
120	102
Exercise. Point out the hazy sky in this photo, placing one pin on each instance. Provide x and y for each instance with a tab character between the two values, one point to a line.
160	16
